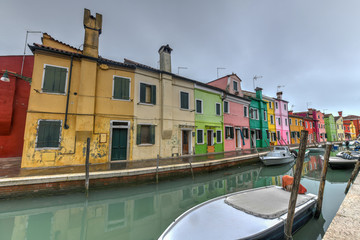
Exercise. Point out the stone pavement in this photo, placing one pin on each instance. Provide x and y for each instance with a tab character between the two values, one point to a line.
346	223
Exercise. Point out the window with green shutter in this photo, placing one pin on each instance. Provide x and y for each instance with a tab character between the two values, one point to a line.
184	100
218	109
226	107
200	136
199	106
54	79
147	93
229	132
218	136
121	88
48	135
145	134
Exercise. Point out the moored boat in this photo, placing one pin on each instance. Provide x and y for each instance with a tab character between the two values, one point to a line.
280	155
344	160
251	214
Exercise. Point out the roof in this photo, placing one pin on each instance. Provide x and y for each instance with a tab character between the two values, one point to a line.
229	75
100	59
352	117
296	116
50	37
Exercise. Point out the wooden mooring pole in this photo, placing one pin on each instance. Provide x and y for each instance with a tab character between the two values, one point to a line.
157	169
295	187
87	167
353	174
322	181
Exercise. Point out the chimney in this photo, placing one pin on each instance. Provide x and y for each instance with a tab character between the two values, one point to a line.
92	27
340	113
279	95
165	58
258	93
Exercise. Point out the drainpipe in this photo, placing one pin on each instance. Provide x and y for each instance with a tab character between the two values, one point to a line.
68	94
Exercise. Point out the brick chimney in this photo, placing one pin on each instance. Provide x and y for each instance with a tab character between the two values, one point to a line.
258	93
92	27
165	58
279	95
340	113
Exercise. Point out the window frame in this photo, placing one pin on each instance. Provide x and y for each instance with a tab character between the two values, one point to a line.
231	133
245	130
188	100
151	89
37	134
276	105
217	132
271	119
246	111
113	89
235	83
258	132
228	107
265	115
197	134
202	106
66	79
216	113
145	124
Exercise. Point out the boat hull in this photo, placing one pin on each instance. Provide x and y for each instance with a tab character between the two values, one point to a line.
269	161
341	163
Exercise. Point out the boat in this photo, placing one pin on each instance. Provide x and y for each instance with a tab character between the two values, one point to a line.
258	213
342	160
280	155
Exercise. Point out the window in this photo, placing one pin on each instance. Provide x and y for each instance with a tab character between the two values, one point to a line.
290	121
145	134
311	125
267	134
229	132
245	133
300	123
245	111
286	122
279	121
284	106
218	109
258	134
293	135
273	137
298	134
121	88
54	79
199	106
254	113
296	123
226	107
278	135
48	135
218	136
265	116
200	136
270	105
184	100
272	119
306	125
235	85
147	93
276	105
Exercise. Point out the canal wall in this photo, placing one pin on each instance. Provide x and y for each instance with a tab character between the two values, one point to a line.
346	222
63	183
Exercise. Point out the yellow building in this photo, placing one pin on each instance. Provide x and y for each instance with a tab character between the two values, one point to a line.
296	125
339	125
271	120
76	95
352	130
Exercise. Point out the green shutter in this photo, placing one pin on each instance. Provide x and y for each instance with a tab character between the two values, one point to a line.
142	92
48	134
121	88
152	134
117	88
138	134
231	132
153	94
54	79
48	85
54	134
126	89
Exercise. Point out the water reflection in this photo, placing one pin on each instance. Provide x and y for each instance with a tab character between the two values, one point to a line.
143	212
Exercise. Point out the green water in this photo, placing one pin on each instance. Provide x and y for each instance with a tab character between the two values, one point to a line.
143	212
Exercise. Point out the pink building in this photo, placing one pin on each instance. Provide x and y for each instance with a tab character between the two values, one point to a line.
282	120
236	113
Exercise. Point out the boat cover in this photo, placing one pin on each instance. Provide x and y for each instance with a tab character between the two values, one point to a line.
270	203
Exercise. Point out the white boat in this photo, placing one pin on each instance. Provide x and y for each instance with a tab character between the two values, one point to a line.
280	155
344	160
251	214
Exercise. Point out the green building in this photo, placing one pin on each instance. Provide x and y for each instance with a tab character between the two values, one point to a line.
208	120
258	119
330	128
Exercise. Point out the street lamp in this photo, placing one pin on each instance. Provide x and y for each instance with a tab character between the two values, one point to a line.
5	77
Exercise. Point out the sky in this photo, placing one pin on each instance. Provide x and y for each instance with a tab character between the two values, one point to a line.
310	49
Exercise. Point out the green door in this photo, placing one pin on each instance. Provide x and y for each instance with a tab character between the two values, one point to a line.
119	144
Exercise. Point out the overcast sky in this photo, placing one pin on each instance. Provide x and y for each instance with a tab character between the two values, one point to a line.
309	47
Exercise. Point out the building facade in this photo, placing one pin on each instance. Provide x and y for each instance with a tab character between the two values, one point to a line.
271	120
296	125
339	123
14	97
281	119
330	128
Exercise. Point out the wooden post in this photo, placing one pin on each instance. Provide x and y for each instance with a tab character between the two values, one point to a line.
157	169
353	174
295	187
87	167
192	171
322	181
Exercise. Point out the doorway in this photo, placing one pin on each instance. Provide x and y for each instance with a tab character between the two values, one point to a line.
238	137
210	139
119	144
186	141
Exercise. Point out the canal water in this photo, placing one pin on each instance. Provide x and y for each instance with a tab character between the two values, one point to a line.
144	211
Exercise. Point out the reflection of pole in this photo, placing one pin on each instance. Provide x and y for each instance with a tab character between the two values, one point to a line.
87	167
322	181
295	187
157	169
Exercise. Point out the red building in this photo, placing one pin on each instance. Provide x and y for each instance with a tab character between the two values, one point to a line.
356	121
14	97
309	125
